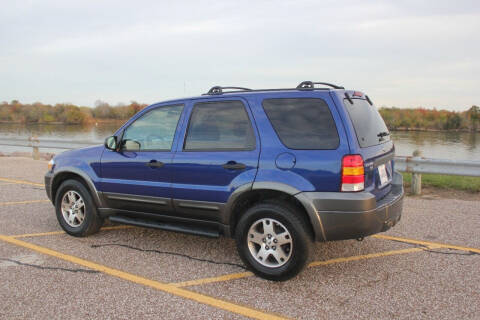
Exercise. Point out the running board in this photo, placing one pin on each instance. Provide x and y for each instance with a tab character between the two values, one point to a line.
195	230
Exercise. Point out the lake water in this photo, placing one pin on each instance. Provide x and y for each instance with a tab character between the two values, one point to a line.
445	145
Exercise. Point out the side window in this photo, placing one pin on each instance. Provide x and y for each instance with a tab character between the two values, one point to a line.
153	131
302	123
222	125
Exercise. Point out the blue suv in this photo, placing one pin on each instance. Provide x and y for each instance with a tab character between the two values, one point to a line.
276	169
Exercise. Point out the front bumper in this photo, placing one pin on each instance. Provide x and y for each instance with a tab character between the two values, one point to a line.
48	184
355	215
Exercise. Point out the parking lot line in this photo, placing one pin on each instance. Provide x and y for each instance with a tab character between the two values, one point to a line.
366	256
194	296
227	277
40	234
22	182
52	233
22	202
234	276
427	243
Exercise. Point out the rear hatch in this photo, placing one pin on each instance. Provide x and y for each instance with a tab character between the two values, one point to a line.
374	143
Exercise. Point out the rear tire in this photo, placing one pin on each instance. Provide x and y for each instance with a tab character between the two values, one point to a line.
273	240
76	212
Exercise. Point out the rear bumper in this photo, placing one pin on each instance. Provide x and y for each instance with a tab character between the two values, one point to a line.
353	215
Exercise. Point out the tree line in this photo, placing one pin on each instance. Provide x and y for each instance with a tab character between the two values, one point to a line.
395	118
66	113
431	119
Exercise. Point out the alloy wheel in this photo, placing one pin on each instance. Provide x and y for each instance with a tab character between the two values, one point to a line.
270	242
73	209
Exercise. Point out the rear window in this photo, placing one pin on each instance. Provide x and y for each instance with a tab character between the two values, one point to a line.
302	123
368	123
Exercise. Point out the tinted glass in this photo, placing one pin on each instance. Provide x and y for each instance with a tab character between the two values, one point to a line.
154	130
220	125
368	123
302	123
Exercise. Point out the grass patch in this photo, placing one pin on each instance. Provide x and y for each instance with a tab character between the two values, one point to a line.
471	184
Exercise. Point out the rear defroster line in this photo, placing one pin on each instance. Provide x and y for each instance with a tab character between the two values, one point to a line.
168	253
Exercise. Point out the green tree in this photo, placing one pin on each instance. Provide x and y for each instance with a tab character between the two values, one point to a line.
453	121
474	115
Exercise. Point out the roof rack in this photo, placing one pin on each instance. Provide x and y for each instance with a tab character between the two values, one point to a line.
309	85
219	90
305	85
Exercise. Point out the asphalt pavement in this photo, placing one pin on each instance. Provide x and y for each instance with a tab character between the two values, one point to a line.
426	267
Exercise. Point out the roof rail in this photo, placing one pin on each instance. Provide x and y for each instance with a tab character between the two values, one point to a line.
309	85
219	90
305	85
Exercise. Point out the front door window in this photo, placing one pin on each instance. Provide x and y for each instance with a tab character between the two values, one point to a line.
154	131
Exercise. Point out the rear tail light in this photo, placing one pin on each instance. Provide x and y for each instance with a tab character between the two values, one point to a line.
353	173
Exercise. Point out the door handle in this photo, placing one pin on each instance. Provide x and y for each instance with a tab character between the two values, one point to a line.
155	164
232	165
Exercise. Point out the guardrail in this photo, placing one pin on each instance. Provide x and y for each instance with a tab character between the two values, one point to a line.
439	166
412	164
36	144
418	165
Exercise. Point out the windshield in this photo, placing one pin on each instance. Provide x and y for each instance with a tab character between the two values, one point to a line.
368	123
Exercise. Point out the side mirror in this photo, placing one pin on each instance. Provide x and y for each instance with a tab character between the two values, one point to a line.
111	143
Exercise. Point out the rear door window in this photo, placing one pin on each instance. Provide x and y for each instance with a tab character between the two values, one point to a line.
302	123
368	123
220	125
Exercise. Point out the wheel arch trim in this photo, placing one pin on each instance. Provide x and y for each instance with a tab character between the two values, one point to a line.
312	214
88	181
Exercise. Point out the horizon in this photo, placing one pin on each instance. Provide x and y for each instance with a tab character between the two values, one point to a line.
122	104
403	54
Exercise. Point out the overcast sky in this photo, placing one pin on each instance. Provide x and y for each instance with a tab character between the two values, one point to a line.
401	53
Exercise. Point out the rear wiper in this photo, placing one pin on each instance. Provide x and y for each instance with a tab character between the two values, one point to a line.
382	134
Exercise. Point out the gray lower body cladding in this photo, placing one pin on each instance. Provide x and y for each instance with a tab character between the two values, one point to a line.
353	215
48	185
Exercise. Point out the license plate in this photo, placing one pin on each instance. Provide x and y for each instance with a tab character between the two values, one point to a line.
382	172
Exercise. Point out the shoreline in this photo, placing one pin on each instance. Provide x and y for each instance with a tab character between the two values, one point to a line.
91	123
42	155
402	129
103	121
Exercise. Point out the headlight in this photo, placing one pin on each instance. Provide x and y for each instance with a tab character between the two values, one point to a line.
51	164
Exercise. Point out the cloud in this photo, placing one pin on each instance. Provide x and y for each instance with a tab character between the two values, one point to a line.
405	53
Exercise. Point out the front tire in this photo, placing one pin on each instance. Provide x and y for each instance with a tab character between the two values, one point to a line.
273	240
75	209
